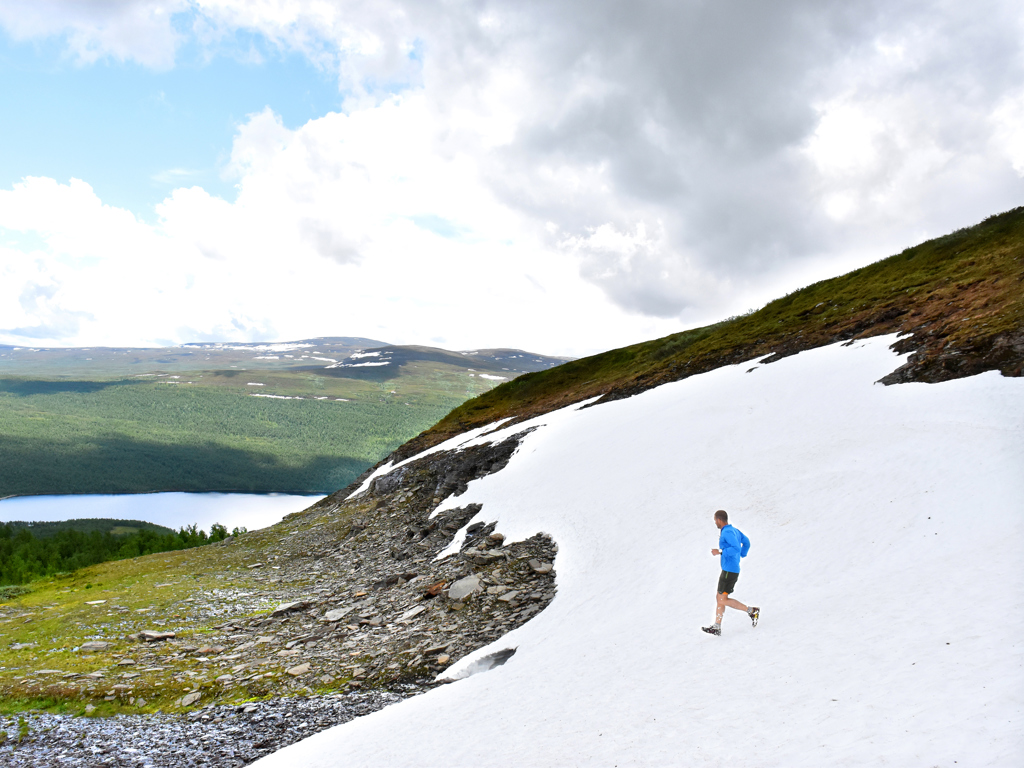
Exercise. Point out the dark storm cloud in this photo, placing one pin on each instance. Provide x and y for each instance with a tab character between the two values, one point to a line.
696	117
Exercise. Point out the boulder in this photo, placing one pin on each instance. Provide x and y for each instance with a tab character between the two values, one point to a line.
464	587
94	645
285	608
154	636
299	670
412	613
337	614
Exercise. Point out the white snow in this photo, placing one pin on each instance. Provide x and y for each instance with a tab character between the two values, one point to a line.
363	354
255	384
886	525
463	441
267	357
493	378
343	364
275	397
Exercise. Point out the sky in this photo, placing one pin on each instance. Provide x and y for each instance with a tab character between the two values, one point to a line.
554	176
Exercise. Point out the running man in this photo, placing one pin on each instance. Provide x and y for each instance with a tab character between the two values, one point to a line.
733	545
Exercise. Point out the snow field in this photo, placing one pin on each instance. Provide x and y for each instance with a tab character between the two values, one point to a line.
886	527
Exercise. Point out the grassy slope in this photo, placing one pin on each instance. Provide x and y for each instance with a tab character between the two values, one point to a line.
207	432
961	296
40	630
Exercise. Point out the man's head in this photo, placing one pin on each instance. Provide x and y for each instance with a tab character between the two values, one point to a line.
721	518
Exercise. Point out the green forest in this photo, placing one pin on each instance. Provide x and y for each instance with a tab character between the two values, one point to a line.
129	436
25	556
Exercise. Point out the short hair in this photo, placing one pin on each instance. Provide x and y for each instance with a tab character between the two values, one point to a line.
722	515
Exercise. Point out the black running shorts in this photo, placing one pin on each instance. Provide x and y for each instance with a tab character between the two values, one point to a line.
727	582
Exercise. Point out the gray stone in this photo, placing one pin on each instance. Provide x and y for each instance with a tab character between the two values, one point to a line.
286	608
508	596
464	587
413	613
337	614
190	699
299	670
94	645
153	636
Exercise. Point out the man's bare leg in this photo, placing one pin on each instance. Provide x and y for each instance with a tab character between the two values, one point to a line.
722	599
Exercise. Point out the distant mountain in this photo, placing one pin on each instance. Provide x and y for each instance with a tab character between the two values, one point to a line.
351	354
492	364
83	362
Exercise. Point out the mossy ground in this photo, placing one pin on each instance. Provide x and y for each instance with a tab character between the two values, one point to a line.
189	592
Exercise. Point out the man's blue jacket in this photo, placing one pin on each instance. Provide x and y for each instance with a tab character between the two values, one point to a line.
734	545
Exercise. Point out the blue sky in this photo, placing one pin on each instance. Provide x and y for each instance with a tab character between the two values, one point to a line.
134	133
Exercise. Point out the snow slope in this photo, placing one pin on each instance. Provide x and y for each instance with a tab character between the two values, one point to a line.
887	527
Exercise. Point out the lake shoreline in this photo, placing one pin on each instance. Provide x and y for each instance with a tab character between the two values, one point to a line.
170	509
166	490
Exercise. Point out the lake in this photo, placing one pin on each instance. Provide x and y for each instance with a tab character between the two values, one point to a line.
174	510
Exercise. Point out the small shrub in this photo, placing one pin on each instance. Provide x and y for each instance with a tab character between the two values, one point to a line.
12	591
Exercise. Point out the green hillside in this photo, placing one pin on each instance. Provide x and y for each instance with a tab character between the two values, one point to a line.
167	427
960	297
101	525
217	435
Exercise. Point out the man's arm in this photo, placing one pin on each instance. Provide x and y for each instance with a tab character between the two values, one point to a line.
744	545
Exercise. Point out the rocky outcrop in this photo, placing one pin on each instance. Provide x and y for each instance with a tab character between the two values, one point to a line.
361	607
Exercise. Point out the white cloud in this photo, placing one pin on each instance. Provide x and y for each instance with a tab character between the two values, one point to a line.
138	30
513	168
322	239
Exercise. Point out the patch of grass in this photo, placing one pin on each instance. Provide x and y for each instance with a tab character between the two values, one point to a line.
42	666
